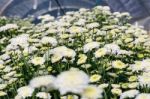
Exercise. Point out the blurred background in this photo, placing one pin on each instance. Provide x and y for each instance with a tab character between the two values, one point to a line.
139	9
24	8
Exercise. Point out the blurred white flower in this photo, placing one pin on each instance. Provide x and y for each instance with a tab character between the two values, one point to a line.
92	25
61	51
129	94
38	60
43	95
8	26
100	52
112	48
92	92
143	96
25	91
41	81
73	80
49	40
144	79
89	46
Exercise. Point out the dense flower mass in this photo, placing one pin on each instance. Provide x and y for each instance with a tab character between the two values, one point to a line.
85	54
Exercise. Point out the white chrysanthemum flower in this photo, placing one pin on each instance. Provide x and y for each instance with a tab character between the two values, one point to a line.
51	40
124	52
100	52
92	92
21	40
95	78
63	51
129	94
73	80
7	69
116	91
76	29
8	26
18	97
112	48
89	46
103	86
3	86
82	59
2	66
2	93
80	22
146	64
43	95
4	56
38	60
137	66
29	50
92	25
144	80
70	97
47	80
25	91
143	96
1	61
118	64
10	74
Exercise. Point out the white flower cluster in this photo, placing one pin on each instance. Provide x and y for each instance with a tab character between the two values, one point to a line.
85	54
8	27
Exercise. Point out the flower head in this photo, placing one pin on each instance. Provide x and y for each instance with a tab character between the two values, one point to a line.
73	80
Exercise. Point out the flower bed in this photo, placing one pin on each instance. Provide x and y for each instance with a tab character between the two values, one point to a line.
88	54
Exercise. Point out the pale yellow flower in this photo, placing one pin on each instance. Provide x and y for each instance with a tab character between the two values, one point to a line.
92	92
116	91
100	52
2	93
55	58
38	61
118	64
95	78
82	59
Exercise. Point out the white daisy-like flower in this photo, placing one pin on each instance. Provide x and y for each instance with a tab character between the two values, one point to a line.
4	56
91	92
80	22
137	66
124	52
8	26
146	64
92	25
51	40
100	52
73	80
21	40
43	95
143	96
118	64
18	97
112	48
3	86
144	79
70	97
2	93
76	29
89	46
63	51
47	81
38	60
129	94
25	91
29	50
